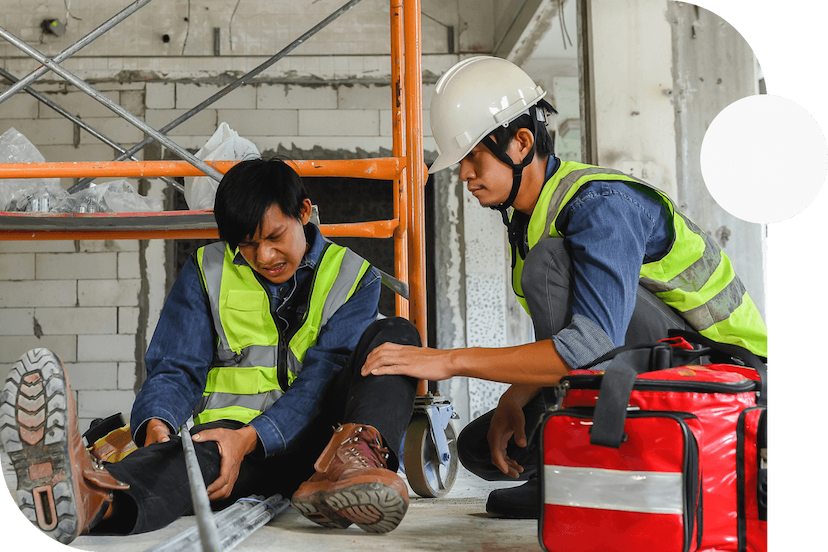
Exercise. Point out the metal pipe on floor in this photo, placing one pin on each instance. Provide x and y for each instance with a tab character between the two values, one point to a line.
189	537
240	528
207	529
234	523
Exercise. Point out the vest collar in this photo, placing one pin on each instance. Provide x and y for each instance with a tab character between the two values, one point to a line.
518	224
552	168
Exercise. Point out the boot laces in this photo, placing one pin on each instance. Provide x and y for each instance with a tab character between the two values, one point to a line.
363	449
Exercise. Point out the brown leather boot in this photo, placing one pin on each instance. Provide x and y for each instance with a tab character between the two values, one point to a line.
110	439
61	487
352	484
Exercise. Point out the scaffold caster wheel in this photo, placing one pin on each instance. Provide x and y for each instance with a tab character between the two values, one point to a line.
427	476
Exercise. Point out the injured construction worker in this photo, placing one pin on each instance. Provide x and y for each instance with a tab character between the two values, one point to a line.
261	340
599	259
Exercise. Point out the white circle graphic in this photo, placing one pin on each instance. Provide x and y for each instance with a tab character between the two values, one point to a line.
764	158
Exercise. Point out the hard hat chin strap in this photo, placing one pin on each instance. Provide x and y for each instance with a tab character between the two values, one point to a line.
517	225
499	151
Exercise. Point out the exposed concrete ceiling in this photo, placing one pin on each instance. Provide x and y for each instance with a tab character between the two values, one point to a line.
526	24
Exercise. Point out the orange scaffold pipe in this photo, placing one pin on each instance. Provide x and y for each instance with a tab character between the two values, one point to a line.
171	224
385	168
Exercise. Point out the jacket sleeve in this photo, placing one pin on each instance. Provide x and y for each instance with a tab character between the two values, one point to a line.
610	229
282	424
178	357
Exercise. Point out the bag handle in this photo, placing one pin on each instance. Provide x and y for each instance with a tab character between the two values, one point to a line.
629	361
735	351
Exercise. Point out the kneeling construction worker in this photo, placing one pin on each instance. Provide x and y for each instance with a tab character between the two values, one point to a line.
599	259
261	340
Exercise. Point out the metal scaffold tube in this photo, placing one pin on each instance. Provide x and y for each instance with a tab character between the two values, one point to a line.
74	48
229	88
415	165
97	96
82	124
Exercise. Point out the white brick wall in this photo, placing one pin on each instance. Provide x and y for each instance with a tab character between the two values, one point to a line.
62	266
296	97
82	321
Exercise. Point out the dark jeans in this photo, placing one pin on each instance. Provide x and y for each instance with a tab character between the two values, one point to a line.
159	490
547	286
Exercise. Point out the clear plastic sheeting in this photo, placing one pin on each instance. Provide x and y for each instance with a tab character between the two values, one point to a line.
224	145
46	195
118	196
26	194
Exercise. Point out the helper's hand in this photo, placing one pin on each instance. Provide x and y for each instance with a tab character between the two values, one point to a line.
233	445
407	360
157	432
507	421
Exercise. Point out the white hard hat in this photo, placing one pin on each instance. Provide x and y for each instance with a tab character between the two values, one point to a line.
473	98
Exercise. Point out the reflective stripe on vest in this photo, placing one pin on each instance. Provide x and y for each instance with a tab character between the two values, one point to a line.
244	378
694	277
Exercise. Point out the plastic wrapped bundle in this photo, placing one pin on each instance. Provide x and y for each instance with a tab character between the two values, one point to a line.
26	194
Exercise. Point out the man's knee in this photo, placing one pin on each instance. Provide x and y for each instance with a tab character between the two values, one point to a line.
473	447
393	330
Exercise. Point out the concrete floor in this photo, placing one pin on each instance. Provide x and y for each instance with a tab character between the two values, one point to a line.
455	523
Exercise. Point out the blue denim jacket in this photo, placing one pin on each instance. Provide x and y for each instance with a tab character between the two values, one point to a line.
182	347
612	229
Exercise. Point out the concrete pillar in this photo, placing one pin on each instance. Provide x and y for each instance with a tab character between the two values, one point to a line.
660	71
632	80
713	66
476	306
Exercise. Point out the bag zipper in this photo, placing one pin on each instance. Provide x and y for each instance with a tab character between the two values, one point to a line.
281	354
594	382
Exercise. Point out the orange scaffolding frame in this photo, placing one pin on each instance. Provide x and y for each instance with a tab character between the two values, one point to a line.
405	168
429	469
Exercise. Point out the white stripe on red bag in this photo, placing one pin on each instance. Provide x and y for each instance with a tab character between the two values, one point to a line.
628	491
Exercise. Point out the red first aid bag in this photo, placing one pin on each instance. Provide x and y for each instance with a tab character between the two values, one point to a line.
658	454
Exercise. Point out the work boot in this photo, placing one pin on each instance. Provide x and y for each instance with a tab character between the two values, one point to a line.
110	439
521	502
353	484
61	487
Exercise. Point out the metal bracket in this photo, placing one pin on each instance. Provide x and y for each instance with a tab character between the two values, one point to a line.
440	412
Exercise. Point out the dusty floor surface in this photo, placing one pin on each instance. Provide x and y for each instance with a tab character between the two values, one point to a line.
454	523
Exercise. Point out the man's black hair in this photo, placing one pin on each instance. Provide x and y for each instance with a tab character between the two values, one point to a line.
248	190
544	146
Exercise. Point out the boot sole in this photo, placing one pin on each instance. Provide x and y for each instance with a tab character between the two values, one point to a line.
373	507
34	429
316	509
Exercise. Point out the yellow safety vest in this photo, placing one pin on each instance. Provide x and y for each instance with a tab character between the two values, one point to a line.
254	364
694	276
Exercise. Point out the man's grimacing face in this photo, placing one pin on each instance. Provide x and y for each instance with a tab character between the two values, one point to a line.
277	247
